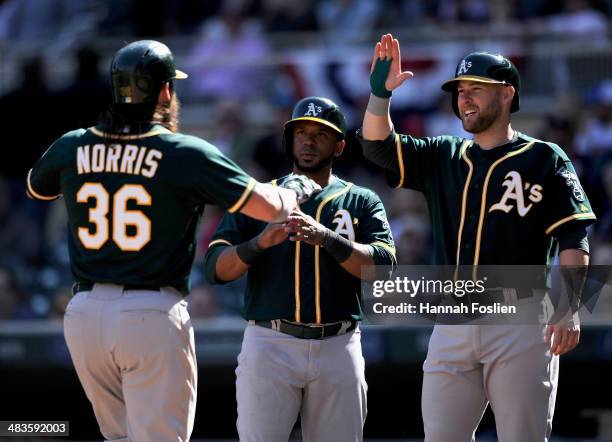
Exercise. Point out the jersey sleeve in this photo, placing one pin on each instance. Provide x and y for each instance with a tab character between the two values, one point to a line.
43	180
567	201
374	230
573	236
233	229
408	161
220	181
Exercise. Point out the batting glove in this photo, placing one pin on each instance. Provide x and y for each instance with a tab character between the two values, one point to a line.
303	186
378	77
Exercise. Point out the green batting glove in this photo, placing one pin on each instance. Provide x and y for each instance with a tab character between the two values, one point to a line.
378	77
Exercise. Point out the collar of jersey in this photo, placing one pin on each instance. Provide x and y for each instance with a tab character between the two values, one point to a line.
498	151
333	184
152	130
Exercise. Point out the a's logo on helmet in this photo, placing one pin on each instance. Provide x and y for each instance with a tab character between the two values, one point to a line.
313	110
464	67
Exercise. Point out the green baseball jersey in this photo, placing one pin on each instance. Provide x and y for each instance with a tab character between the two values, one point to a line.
297	281
135	201
491	207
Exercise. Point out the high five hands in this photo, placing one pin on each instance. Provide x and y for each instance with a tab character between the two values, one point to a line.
302	227
297	227
386	70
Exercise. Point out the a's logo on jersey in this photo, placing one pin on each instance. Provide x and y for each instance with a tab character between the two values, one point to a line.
464	67
573	183
515	193
344	224
313	110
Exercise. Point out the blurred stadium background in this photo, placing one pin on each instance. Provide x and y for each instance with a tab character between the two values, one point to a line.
249	61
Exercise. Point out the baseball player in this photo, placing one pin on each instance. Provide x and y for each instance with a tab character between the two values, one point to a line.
501	198
301	352
135	190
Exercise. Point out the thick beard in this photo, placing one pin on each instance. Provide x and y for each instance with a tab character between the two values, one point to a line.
167	114
318	167
485	120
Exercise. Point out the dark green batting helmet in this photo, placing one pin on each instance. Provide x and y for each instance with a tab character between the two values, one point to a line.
138	71
485	67
319	110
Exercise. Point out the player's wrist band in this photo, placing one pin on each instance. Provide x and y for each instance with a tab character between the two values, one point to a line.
337	246
249	251
378	106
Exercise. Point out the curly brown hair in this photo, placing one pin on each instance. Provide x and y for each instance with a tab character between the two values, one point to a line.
133	118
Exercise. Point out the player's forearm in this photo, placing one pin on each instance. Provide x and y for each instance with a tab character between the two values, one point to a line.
377	124
576	259
349	254
360	263
573	257
270	203
229	266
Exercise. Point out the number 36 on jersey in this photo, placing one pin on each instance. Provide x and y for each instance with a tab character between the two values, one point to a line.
95	236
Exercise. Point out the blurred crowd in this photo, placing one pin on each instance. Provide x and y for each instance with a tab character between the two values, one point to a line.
249	62
66	20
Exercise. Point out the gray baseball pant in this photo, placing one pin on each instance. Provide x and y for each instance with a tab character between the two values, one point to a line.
508	366
134	353
280	376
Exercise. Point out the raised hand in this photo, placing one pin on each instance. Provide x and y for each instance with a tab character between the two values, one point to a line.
386	70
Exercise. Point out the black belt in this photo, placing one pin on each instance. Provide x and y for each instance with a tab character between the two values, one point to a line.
88	286
304	331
